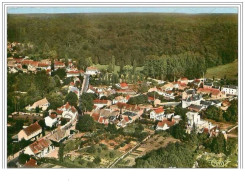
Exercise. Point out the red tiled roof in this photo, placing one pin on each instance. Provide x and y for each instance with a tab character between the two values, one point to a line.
58	63
159	110
42	65
126	119
209	90
31	163
18	60
26	61
184	79
151	98
123	85
162	123
97	101
39	145
32	128
95	116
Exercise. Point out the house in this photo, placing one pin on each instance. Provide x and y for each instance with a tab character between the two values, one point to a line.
206	104
126	91
31	132
230	89
195	122
58	64
102	103
39	148
207	85
59	135
51	120
91	89
128	107
42	104
157	114
68	111
168	87
215	93
125	120
194	99
43	66
32	163
183	80
74	73
164	125
123	85
92	70
195	108
188	93
120	99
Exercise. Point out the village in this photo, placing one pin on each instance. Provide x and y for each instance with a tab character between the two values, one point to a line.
112	125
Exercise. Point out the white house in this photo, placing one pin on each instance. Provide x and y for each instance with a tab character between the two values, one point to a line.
157	114
164	125
51	120
43	104
102	103
230	90
120	99
92	70
68	111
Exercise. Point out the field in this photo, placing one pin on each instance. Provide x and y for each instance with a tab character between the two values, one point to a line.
117	68
230	70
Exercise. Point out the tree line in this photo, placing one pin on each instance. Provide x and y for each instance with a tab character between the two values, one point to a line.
130	39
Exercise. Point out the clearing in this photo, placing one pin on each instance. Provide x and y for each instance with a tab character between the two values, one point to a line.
230	70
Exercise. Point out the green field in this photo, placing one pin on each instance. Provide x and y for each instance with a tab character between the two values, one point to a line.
117	68
230	70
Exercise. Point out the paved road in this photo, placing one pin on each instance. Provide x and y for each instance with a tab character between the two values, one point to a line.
85	83
232	129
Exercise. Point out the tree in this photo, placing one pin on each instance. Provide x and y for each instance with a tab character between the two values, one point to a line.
143	88
61	152
86	101
218	144
213	112
71	98
140	99
85	123
23	158
231	113
61	72
97	160
37	109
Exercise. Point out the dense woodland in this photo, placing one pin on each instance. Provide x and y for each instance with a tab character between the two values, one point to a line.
173	44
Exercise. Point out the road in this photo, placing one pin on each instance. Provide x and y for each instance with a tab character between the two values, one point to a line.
85	83
232	129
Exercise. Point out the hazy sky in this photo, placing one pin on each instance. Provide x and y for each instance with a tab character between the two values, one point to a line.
188	10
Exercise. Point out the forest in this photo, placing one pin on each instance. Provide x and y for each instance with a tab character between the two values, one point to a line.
175	44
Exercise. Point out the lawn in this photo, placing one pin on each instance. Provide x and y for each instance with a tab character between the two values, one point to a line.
230	70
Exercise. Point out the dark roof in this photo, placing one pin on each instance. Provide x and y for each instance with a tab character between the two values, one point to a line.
207	83
129	114
207	103
194	98
216	101
195	107
190	91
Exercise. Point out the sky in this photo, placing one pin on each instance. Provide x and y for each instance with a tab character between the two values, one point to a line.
187	10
